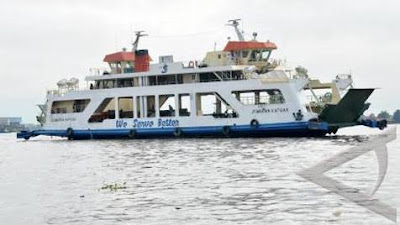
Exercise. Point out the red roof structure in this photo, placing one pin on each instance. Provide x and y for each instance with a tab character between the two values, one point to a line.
242	45
119	56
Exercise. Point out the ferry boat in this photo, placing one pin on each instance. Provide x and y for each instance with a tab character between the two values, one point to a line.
236	92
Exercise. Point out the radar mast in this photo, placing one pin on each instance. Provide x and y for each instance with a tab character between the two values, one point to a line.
235	23
136	42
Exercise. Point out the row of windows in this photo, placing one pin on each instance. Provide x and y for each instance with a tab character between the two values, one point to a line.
170	105
208	104
259	97
168	79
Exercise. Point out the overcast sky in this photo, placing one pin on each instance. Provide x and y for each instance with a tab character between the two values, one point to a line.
42	42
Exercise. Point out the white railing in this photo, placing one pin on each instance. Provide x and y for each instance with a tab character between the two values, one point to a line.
98	71
63	91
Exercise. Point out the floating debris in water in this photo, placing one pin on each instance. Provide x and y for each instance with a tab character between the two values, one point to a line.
114	187
337	213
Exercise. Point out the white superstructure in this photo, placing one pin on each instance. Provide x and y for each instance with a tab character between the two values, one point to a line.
235	92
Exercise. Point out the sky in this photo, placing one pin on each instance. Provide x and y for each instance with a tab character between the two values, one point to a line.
43	41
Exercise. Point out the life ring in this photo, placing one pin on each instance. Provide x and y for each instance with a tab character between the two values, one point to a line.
254	123
226	131
132	133
177	132
70	133
191	64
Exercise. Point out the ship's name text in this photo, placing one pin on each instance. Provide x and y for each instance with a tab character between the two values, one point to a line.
273	110
62	119
148	123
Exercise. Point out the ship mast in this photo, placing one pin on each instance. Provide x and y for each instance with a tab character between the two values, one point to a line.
136	43
235	23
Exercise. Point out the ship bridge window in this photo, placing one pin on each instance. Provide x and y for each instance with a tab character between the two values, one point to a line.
167	105
125	107
260	55
255	55
259	97
106	110
265	55
212	104
69	106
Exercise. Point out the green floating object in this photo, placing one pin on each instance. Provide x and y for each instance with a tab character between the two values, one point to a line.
114	187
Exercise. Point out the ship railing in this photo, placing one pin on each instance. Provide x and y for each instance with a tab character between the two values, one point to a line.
343	76
321	99
62	92
247	100
98	71
251	100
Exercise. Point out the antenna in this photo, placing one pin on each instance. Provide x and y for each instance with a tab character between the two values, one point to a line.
136	42
235	23
254	36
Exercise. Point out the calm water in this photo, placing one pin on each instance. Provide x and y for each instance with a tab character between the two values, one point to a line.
189	181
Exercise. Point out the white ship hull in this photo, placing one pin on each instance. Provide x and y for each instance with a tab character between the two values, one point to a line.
272	119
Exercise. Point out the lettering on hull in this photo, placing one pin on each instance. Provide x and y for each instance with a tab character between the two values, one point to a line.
148	123
274	110
142	123
62	119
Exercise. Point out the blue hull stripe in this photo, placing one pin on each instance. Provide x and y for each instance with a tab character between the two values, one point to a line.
281	129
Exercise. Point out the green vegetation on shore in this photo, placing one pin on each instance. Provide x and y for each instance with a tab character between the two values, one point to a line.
395	118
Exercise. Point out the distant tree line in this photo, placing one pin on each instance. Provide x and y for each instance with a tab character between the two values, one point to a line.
385	115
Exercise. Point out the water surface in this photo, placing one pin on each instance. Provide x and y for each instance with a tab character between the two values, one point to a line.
186	181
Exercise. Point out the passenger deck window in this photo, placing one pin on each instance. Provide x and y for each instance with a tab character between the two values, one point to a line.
184	104
151	108
69	106
259	97
212	104
138	107
125	107
106	110
167	105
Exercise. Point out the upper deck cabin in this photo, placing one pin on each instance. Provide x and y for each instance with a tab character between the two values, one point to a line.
125	72
131	69
128	62
251	53
239	60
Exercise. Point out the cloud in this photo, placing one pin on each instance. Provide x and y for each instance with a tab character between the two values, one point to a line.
44	41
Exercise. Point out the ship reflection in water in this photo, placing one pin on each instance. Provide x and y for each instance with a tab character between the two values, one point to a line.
186	181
